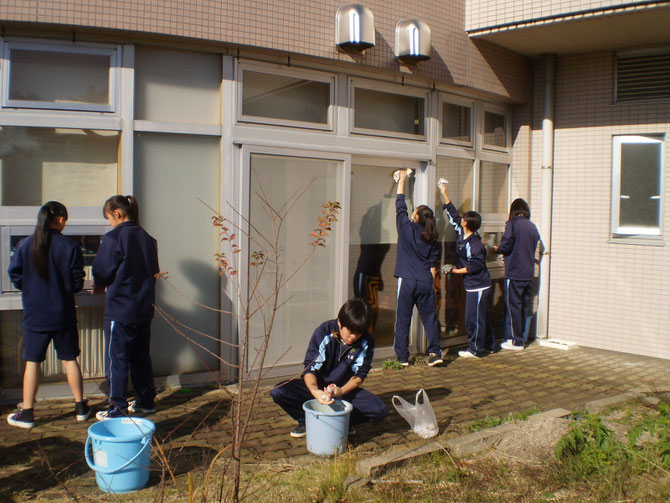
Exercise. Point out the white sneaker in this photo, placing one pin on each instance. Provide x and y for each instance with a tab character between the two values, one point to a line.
510	345
466	354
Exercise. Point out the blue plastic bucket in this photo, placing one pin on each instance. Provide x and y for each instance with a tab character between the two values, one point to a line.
121	453
327	426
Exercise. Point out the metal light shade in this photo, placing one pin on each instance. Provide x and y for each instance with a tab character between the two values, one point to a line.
354	28
412	41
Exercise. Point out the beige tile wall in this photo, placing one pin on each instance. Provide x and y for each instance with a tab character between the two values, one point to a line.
304	27
607	295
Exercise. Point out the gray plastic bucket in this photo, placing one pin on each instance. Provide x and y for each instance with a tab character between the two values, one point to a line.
327	426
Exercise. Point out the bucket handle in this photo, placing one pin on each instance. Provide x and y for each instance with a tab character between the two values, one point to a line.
106	471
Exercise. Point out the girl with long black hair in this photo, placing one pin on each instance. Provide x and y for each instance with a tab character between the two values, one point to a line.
49	269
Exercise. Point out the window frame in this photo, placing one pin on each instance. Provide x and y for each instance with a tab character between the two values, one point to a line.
617	230
296	73
112	51
462	102
500	110
384	87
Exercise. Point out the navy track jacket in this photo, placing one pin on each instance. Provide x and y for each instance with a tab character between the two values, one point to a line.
471	253
415	257
127	263
518	245
323	358
48	305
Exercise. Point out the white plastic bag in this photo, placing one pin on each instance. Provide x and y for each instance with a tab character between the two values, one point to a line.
420	416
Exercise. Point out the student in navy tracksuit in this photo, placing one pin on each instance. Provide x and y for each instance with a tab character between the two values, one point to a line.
416	267
127	264
477	281
337	361
49	269
518	246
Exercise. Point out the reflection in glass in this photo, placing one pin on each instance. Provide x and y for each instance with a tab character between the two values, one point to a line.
494	129
287	98
388	112
451	296
59	77
311	296
456	122
493	187
78	167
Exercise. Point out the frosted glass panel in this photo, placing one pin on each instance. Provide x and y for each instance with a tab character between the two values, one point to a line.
177	86
640	204
451	300
493	187
494	129
311	295
373	242
171	173
282	97
78	167
46	76
456	122
388	112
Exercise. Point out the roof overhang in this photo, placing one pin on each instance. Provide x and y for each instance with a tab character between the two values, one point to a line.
580	33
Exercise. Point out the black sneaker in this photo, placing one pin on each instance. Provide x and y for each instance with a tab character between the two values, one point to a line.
133	407
23	418
434	359
299	431
111	413
82	410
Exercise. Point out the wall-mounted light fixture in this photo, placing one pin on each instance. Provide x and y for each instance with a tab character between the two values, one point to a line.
412	41
354	28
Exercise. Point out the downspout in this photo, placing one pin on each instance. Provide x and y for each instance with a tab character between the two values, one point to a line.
549	61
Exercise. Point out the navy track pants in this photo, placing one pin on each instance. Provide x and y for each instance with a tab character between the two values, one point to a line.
517	300
421	293
480	335
127	351
290	395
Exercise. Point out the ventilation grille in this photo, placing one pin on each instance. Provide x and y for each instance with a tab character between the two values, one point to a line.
643	77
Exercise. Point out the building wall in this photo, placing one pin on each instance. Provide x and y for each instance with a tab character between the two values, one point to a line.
304	28
604	292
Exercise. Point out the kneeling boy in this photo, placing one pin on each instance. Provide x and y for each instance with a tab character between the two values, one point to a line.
337	361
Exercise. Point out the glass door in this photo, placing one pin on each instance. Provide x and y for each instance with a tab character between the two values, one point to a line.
373	242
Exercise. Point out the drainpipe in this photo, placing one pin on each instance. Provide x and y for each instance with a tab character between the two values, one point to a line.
549	61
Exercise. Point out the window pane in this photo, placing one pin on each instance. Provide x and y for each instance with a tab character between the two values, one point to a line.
388	112
494	129
373	242
311	296
57	77
177	86
78	167
493	187
451	303
455	122
286	98
640	185
171	173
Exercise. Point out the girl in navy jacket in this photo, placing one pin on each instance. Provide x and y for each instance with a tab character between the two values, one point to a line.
49	269
477	280
127	265
416	267
518	246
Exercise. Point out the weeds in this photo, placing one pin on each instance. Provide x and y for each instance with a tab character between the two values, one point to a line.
392	365
493	421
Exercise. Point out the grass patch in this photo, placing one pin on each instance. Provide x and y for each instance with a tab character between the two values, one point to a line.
493	421
391	365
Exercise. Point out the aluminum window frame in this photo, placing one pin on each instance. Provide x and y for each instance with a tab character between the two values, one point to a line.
384	87
616	229
500	110
284	71
462	102
112	51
